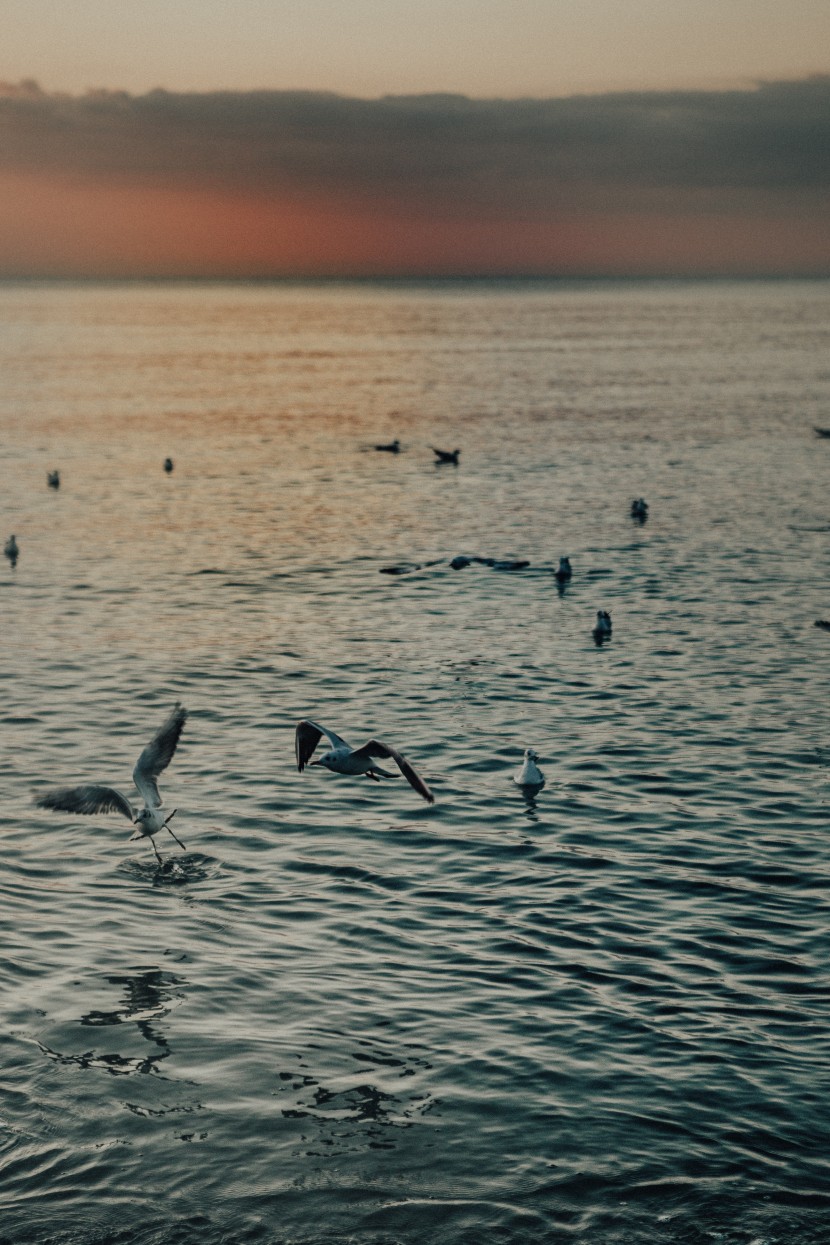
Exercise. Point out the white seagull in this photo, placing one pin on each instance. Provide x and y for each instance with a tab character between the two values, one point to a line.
342	759
155	758
528	774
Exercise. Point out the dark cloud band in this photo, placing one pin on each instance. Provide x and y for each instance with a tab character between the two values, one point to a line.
446	152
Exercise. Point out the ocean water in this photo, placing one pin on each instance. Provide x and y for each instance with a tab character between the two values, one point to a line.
595	1014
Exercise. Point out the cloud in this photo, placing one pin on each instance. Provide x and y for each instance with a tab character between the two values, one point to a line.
268	182
440	152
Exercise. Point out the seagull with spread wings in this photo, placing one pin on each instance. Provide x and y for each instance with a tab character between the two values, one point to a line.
342	759
92	798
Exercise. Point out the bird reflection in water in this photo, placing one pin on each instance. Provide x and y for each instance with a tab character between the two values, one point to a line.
147	998
529	795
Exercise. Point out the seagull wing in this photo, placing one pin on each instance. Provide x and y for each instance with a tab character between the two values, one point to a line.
374	748
158	755
87	799
306	738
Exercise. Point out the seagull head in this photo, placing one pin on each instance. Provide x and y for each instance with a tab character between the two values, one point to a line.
531	754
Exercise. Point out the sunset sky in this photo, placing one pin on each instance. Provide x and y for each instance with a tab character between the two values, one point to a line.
176	137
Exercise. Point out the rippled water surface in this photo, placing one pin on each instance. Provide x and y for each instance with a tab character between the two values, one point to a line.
594	1014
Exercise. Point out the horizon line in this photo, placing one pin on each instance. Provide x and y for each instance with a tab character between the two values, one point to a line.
400	278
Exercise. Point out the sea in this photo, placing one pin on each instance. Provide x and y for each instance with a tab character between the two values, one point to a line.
591	1013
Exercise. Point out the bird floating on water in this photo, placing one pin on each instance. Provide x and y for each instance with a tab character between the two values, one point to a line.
462	560
343	759
393	447
93	798
822	432
602	627
564	571
53	479
168	465
528	774
12	550
446	456
639	509
824	623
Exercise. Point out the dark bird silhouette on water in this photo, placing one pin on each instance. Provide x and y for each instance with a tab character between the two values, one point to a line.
445	456
563	571
602	627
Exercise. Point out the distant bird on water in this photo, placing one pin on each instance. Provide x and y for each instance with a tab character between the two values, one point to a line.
53	479
639	509
342	759
445	456
394	447
602	627
823	623
528	774
822	432
168	465
563	572
155	758
12	550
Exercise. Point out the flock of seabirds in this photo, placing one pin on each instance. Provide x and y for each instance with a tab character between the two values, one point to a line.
340	758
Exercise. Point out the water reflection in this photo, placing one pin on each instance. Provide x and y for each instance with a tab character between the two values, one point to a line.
529	795
147	997
355	1111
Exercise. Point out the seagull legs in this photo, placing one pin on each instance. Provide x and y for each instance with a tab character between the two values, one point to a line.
175	836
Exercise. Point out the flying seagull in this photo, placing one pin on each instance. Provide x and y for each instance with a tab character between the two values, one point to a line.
155	758
342	759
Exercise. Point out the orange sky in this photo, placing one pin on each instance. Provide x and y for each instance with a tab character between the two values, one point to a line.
55	228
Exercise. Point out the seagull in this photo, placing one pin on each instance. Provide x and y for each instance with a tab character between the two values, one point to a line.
394	447
528	774
602	628
446	456
155	758
563	572
12	550
342	759
53	479
168	465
